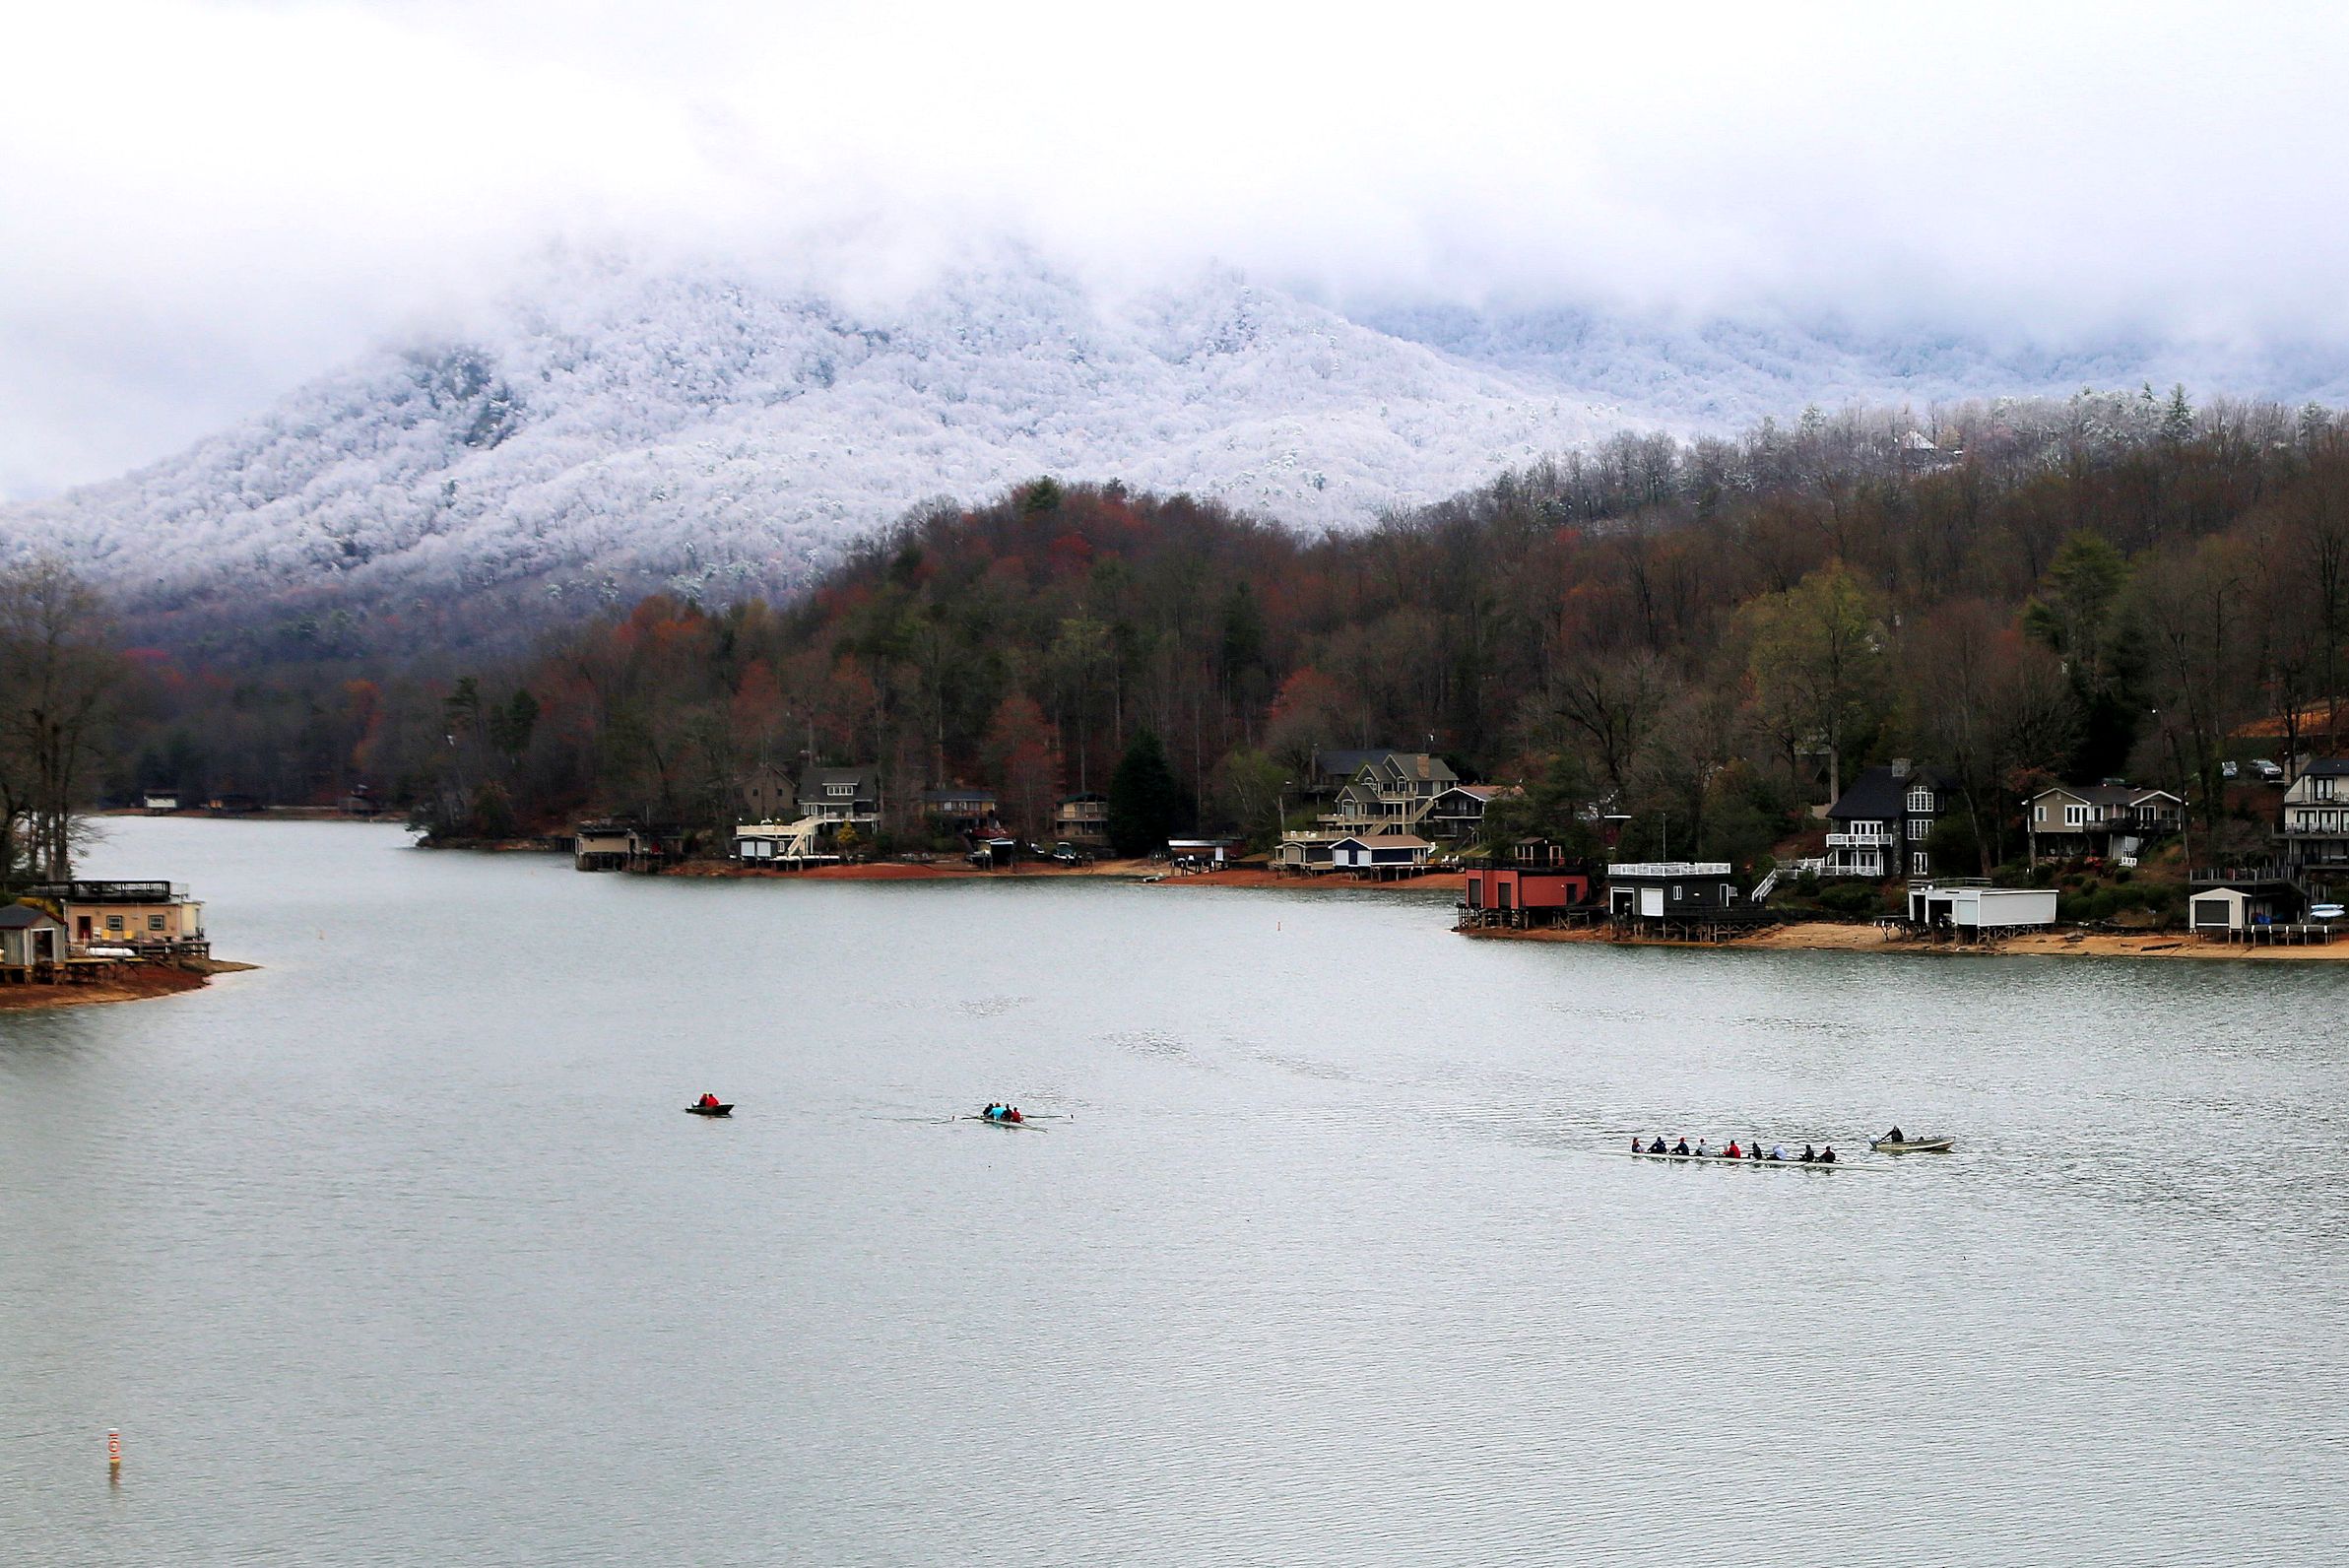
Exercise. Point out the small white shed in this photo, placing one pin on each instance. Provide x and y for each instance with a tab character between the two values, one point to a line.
2228	909
1982	908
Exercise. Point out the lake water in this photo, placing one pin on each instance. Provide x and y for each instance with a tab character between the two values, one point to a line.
401	1250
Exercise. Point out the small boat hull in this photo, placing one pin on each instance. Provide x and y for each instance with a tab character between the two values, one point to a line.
711	1110
1914	1146
1789	1163
997	1121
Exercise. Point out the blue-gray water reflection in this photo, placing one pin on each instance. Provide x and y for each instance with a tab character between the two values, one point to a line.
401	1250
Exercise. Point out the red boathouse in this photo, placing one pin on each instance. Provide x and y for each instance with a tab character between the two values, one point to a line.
1513	895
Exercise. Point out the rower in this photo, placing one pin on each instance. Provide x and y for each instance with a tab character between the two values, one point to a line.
1734	1152
1808	1158
1894	1137
710	1100
1753	1151
1657	1147
1681	1147
1012	1114
1828	1158
1778	1151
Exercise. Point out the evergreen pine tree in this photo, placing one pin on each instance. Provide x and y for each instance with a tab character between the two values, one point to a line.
1145	803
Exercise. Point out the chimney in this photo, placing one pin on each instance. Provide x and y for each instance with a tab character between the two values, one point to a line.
1900	768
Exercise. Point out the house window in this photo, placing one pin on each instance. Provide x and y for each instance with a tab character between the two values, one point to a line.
155	922
115	923
2075	816
1676	893
1921	799
1917	864
839	789
2323	788
1919	826
2039	813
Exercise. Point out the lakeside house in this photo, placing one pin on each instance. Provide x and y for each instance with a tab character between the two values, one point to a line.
1306	851
152	919
1392	792
2112	820
33	943
1524	896
788	844
768	796
1670	893
1082	821
1974	907
963	809
1883	819
1380	855
841	797
1457	815
159	803
603	846
2312	830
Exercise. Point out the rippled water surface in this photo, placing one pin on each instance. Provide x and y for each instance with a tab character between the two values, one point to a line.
401	1250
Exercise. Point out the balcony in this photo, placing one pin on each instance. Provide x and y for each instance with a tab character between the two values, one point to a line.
1867	838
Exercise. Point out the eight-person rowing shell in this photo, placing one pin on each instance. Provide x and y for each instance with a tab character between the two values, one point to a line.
1749	1153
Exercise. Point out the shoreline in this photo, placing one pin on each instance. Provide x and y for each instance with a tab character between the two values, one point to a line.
1825	936
140	983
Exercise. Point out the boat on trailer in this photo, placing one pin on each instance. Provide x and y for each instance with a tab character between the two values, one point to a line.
1914	1146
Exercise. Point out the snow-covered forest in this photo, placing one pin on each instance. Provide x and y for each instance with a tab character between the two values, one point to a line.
616	427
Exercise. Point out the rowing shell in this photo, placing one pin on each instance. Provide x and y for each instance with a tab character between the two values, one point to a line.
1914	1146
997	1121
1836	1164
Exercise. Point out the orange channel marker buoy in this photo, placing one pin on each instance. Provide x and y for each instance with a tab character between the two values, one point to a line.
113	1449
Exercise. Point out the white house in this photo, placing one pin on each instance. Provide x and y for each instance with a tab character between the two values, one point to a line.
1981	909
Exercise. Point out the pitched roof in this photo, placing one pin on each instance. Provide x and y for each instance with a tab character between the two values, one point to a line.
2327	767
941	797
1876	795
863	773
1386	840
17	917
1346	764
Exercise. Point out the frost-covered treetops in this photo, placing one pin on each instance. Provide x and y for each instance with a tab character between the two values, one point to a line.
616	426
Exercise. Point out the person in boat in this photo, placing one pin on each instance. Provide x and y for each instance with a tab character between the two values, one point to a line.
1657	1147
1809	1157
1681	1147
1733	1152
1778	1151
1894	1137
1701	1149
1753	1151
1012	1115
711	1101
1828	1158
989	1113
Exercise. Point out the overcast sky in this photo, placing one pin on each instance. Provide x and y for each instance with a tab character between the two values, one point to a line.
202	204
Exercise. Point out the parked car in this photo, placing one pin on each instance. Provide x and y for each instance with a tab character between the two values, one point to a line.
2228	770
2266	769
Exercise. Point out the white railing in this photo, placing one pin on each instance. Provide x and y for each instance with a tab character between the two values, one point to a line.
1867	838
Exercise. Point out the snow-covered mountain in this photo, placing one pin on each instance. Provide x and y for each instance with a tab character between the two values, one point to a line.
615	426
618	426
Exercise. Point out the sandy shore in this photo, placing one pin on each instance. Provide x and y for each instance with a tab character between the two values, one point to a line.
1819	936
137	983
908	871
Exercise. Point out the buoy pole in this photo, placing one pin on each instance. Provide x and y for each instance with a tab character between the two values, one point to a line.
113	1452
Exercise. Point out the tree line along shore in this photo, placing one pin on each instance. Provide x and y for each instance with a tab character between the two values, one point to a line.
1653	649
